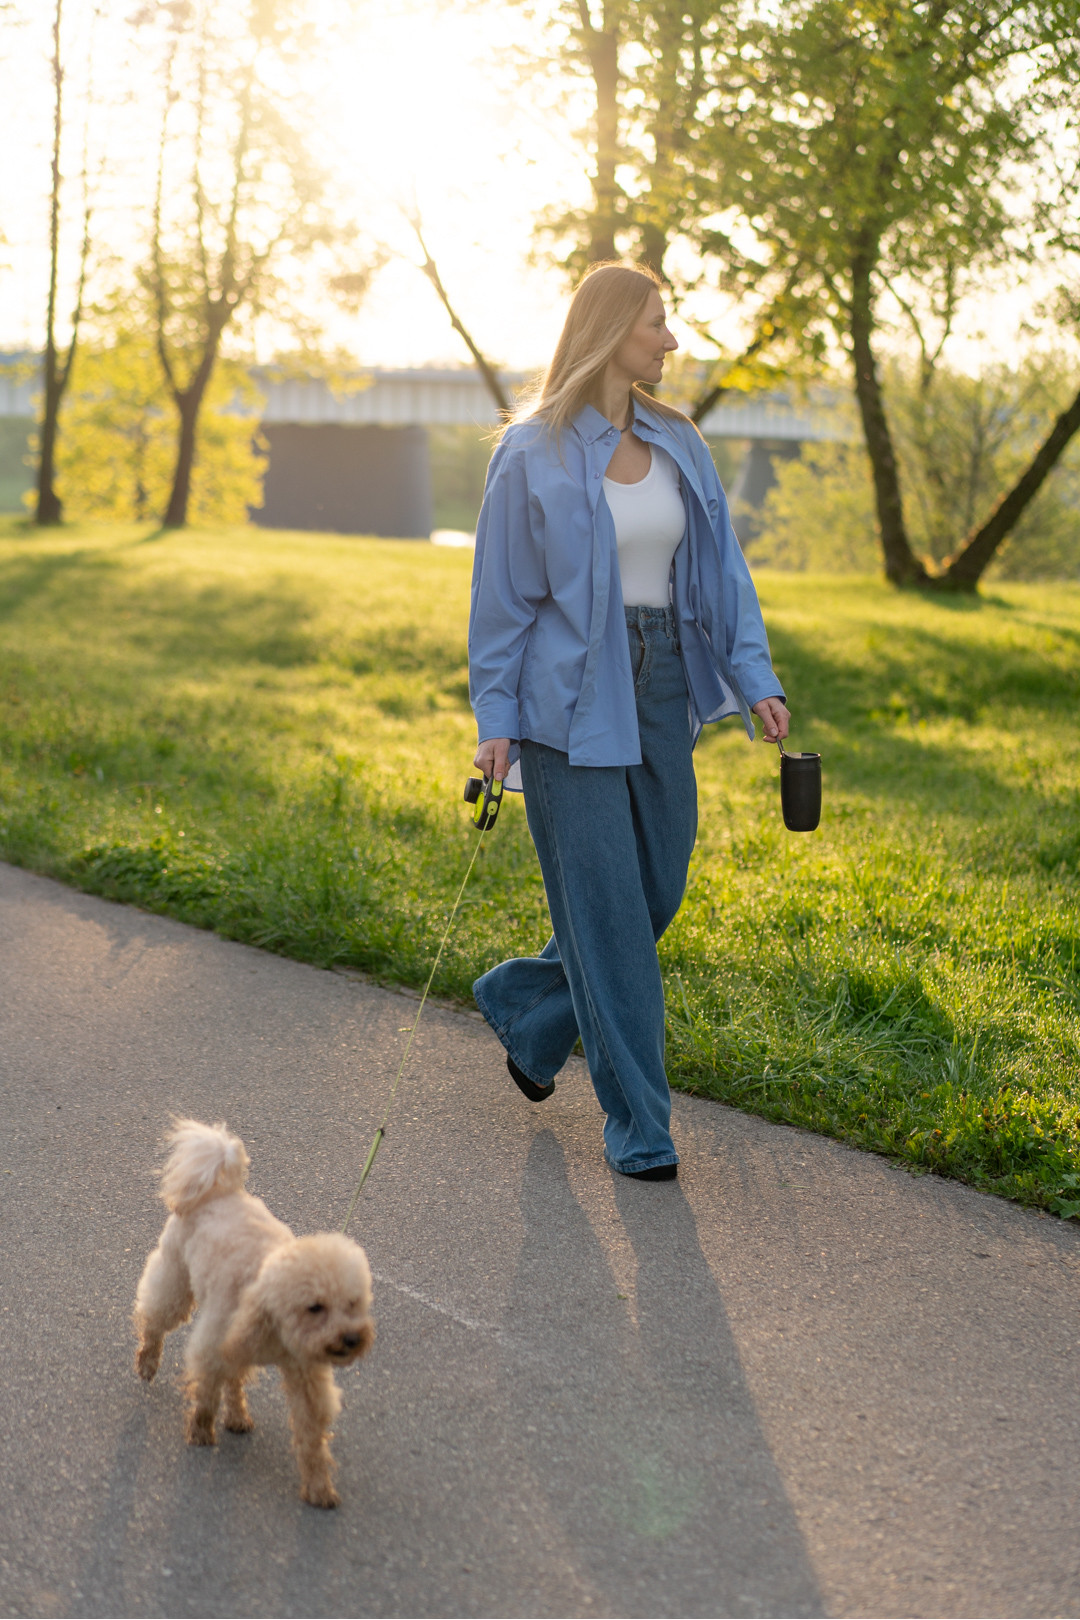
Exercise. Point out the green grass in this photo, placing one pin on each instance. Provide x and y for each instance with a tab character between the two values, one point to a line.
267	733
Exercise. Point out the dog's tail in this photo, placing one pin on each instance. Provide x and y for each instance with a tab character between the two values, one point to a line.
205	1161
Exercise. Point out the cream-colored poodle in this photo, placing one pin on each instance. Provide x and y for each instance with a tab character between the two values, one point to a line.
264	1298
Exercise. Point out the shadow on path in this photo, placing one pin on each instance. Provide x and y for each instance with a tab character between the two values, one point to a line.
645	1445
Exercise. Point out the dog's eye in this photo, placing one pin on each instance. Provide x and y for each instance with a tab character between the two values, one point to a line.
315	1309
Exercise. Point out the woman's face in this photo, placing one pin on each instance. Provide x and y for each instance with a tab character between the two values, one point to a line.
640	357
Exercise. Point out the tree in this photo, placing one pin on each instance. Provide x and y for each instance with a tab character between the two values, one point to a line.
117	448
964	438
235	193
888	148
641	63
649	68
57	366
597	37
958	444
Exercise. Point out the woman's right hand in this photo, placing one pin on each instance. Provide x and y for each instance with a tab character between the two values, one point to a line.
492	757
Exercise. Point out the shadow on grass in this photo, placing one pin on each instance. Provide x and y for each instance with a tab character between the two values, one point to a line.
214	625
934	676
869	697
24	578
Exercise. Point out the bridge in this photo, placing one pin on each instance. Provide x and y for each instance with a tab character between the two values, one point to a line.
354	455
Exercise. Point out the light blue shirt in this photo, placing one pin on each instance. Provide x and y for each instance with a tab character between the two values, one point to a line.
548	651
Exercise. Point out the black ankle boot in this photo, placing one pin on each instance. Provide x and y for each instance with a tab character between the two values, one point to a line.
534	1092
655	1172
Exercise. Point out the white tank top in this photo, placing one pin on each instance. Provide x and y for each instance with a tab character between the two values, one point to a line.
650	521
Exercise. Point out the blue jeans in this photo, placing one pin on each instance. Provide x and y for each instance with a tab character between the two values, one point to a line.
614	844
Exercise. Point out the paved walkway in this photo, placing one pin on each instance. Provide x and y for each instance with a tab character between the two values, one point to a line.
797	1382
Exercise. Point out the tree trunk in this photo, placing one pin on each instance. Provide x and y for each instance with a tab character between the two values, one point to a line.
653	246
188	405
602	47
49	510
965	568
902	567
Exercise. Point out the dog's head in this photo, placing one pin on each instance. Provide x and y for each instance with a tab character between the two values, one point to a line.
311	1296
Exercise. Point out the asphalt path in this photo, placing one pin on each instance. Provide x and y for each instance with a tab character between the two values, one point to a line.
798	1381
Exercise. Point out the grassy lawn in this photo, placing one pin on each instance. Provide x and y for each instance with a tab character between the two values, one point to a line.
267	734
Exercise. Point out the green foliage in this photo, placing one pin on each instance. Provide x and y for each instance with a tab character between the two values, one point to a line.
960	440
459	460
819	515
16	474
893	138
881	159
266	734
117	446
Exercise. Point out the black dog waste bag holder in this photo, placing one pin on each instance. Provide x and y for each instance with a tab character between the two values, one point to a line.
800	790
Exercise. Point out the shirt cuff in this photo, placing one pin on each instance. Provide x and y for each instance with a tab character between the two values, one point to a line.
497	719
761	686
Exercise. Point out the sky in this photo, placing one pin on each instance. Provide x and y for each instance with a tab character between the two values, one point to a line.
417	105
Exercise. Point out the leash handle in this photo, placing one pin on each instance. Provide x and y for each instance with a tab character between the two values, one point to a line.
486	795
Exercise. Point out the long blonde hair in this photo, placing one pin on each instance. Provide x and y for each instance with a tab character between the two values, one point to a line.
603	312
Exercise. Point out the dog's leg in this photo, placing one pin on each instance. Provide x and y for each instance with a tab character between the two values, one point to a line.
203	1393
164	1300
234	1412
314	1403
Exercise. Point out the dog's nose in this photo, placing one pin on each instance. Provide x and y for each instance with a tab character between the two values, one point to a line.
350	1340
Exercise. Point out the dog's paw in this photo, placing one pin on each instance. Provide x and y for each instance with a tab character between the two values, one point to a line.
321	1495
147	1361
200	1430
238	1423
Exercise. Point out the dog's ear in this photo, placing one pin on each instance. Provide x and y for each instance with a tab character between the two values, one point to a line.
252	1339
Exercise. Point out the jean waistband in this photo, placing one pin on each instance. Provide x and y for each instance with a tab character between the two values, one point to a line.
652	618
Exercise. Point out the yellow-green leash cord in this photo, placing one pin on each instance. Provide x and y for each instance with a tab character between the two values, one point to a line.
381	1132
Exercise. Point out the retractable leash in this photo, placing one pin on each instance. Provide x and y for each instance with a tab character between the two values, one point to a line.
486	795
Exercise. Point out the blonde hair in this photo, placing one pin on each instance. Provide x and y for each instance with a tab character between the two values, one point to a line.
603	312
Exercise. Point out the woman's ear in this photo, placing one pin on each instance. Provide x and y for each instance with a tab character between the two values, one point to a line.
252	1339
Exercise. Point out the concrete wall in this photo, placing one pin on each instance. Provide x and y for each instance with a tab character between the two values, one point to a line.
352	480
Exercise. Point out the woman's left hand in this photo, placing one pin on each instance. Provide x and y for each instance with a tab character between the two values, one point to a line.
774	717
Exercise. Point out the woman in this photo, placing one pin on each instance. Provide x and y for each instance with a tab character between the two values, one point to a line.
612	617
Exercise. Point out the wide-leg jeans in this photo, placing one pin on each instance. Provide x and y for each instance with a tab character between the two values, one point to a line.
614	844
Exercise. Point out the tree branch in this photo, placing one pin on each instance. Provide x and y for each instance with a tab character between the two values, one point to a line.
964	569
503	403
161	300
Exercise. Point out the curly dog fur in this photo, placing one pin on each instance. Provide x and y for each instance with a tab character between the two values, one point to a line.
264	1298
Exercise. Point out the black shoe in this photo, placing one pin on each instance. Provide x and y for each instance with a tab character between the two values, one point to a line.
534	1092
655	1172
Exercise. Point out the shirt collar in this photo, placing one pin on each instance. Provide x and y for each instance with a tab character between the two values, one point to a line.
591	425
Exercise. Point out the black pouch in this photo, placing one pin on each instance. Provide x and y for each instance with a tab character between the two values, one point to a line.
800	790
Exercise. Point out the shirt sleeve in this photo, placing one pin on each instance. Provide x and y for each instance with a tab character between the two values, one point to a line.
747	644
509	580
